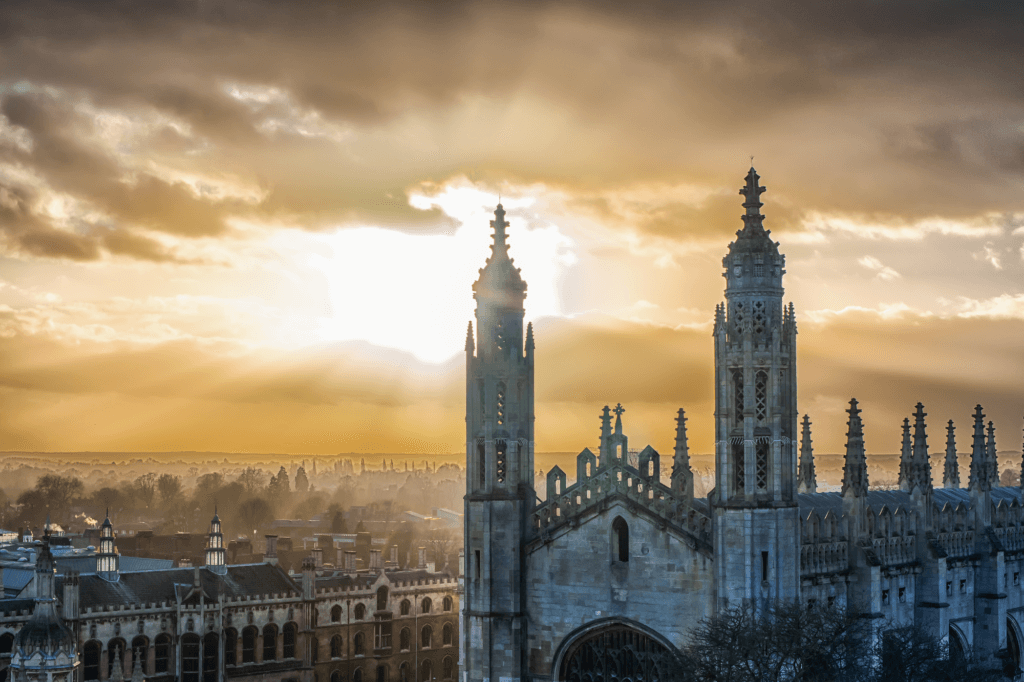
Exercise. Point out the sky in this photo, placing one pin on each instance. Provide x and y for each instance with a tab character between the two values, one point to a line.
253	226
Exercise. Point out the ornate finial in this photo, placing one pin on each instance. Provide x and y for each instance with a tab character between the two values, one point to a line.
855	470
499	226
807	481
619	409
951	471
752	191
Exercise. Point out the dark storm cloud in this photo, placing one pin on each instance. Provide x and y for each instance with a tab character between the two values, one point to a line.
897	110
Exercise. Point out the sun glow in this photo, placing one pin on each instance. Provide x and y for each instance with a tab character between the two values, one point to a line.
413	292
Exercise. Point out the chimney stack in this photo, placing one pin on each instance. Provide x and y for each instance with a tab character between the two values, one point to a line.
318	557
375	560
350	561
270	555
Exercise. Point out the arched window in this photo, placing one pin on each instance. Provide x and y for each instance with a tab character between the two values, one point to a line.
761	464
426	605
425	635
231	646
336	676
382	598
405	607
1012	644
738	398
90	660
357	675
115	654
249	644
620	539
360	612
382	673
140	651
189	657
761	396
403	673
270	642
740	471
359	644
446	634
162	654
336	614
405	639
447	668
211	657
336	646
315	649
6	643
426	671
447	604
290	631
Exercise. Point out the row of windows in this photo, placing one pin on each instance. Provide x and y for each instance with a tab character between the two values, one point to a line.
405	608
359	643
116	653
405	673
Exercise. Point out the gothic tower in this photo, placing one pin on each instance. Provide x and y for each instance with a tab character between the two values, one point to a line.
499	467
215	558
757	527
107	559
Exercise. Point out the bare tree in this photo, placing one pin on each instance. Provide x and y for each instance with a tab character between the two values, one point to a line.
145	488
252	480
58	492
169	486
254	513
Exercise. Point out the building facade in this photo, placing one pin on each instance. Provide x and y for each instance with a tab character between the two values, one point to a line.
615	568
224	621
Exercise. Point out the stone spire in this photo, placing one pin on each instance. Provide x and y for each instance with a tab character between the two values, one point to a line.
981	479
906	457
920	464
993	456
682	475
808	482
604	453
751	192
470	346
951	471
855	471
529	336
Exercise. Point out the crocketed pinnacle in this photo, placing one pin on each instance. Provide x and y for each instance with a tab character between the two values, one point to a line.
906	457
983	472
753	237
529	336
951	471
682	475
807	482
855	470
499	278
469	338
920	466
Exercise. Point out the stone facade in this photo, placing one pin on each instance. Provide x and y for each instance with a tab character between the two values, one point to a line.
559	582
251	622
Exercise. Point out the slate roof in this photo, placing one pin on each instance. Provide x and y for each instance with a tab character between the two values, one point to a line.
163	585
334	579
825	502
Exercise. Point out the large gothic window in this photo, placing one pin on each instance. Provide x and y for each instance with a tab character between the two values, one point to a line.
162	653
211	659
91	660
190	657
761	396
617	653
290	630
249	644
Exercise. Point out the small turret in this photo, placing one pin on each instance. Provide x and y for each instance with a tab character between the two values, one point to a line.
108	561
807	481
951	470
215	556
682	475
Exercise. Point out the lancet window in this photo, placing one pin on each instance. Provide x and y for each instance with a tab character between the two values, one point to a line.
761	396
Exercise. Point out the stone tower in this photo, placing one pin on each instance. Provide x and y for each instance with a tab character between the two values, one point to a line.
215	558
499	467
757	527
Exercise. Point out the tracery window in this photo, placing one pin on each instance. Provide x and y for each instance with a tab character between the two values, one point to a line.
759	318
189	657
739	472
211	657
500	460
501	403
737	392
290	631
162	653
618	653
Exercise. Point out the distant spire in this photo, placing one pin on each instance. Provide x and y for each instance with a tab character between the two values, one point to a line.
529	336
906	458
807	481
469	338
682	475
980	480
855	470
921	467
751	192
606	433
951	471
993	457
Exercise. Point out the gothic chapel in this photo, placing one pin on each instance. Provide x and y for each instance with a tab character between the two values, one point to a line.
602	578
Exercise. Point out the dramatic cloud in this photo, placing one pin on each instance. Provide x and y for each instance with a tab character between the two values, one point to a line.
247	223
